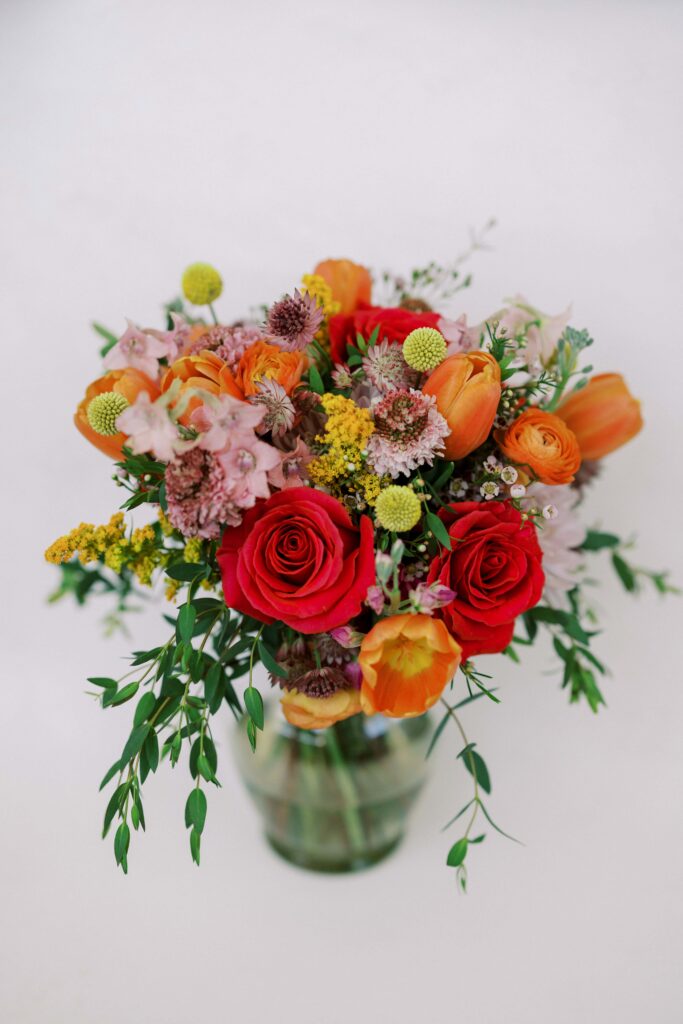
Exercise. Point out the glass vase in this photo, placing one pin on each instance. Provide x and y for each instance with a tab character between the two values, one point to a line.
335	799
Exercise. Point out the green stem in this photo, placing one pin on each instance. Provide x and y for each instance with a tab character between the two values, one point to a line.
347	788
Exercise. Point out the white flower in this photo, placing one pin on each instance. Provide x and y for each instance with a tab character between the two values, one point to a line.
558	537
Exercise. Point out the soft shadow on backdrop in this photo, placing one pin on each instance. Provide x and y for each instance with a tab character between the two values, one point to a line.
141	136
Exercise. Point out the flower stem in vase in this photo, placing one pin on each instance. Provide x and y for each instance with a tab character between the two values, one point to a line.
349	793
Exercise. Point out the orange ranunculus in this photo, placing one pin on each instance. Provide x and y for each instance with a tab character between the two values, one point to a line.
406	661
127	382
467	390
263	360
204	370
319	712
351	284
544	444
603	415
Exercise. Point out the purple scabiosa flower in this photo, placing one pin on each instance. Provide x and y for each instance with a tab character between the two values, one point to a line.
294	321
229	343
385	367
409	432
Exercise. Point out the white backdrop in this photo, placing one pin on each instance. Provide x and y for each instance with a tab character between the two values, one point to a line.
140	136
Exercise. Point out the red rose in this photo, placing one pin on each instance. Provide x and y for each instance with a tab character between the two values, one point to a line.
395	324
298	558
494	568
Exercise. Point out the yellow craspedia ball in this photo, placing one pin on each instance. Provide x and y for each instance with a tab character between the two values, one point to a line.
397	508
202	284
103	412
424	348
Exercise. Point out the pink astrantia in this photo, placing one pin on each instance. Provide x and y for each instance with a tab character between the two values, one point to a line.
276	405
137	349
222	418
409	432
386	369
150	428
294	321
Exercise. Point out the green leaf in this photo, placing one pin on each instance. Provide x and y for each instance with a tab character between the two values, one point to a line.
195	810
125	694
186	572
269	661
121	844
251	733
151	750
596	541
106	684
186	619
135	741
195	845
254	705
144	707
114	770
457	853
315	381
438	529
109	338
115	804
476	766
624	572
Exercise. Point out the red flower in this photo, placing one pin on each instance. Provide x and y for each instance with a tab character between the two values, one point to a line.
298	558
494	568
395	324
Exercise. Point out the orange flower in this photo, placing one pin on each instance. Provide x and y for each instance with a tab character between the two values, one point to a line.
467	389
263	360
204	370
542	442
351	284
603	415
406	661
319	712
127	382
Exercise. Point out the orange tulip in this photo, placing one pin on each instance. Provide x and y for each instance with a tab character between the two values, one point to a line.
127	382
467	390
263	360
544	444
351	284
406	661
603	415
319	712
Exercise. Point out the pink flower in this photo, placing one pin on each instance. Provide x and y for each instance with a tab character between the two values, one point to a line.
456	334
277	407
375	599
294	321
347	637
426	597
229	343
150	428
221	418
386	369
175	339
138	349
409	432
247	463
291	471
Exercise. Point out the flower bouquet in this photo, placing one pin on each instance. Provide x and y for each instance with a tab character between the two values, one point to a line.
363	497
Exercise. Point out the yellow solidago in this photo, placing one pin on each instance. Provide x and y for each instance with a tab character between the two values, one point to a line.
192	552
318	287
139	553
341	468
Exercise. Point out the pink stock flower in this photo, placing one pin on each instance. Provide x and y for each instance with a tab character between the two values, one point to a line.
150	429
221	418
138	349
291	470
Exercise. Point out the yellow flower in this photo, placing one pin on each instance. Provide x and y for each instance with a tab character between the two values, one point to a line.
317	286
202	284
140	553
398	508
347	424
424	348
